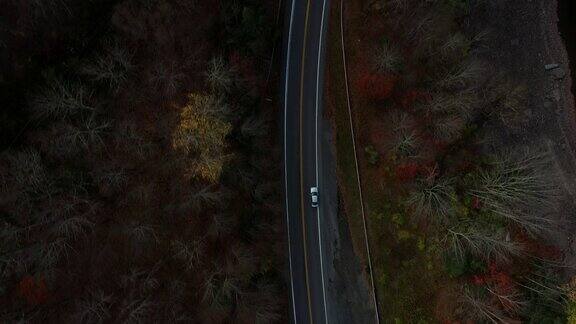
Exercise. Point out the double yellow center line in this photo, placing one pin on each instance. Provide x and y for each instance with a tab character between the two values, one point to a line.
302	196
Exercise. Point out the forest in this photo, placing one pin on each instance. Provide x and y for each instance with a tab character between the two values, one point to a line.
464	219
139	162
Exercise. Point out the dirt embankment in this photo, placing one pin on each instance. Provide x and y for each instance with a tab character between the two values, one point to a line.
524	41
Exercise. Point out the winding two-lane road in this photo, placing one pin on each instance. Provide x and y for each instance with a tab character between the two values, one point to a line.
306	23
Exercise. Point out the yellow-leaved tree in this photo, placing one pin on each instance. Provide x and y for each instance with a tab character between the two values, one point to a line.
201	135
570	289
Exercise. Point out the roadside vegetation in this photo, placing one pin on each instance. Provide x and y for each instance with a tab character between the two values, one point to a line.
462	223
139	163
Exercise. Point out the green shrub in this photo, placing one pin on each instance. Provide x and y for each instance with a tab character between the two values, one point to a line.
403	235
463	5
249	28
571	313
371	155
398	219
456	267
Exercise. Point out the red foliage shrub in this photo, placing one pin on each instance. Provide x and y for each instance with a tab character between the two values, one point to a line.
476	203
465	166
407	171
377	86
243	65
409	97
33	290
245	68
478	279
429	169
538	248
439	145
499	282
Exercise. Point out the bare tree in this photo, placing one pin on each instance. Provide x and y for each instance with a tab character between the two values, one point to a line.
60	99
219	75
520	188
94	309
52	252
506	100
73	227
455	48
51	10
188	253
543	283
463	76
482	240
387	59
482	309
167	78
462	104
397	7
221	224
139	282
240	261
140	233
111	67
110	180
433	201
262	305
206	197
424	25
131	139
216	305
255	126
28	174
405	142
220	293
448	128
513	301
136	311
87	133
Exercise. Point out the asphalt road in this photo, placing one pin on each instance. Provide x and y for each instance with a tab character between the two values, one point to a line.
304	40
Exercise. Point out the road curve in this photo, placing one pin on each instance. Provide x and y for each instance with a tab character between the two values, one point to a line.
305	28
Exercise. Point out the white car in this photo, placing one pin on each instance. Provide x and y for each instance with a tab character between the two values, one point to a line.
314	196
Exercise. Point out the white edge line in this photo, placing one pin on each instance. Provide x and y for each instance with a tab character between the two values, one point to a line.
317	168
285	154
